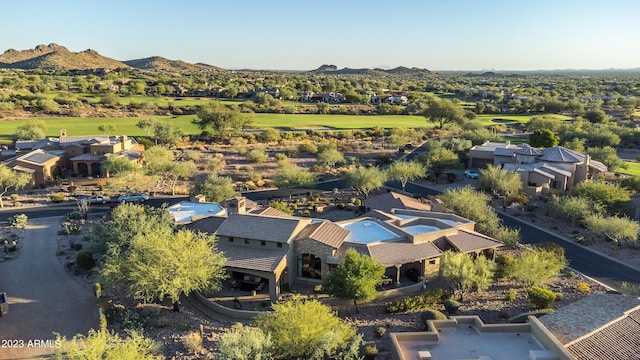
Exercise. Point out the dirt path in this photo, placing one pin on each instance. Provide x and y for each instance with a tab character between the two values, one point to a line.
43	298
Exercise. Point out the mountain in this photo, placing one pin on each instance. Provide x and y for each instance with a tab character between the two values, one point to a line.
164	64
400	70
56	57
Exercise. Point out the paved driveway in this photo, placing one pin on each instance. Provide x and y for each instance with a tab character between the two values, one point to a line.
43	298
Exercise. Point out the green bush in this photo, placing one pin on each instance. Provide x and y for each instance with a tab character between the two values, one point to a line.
451	306
56	198
541	298
427	299
381	331
551	247
18	220
583	287
510	295
70	229
504	266
432	315
84	260
75	215
370	352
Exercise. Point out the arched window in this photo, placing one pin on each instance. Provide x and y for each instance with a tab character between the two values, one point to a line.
309	266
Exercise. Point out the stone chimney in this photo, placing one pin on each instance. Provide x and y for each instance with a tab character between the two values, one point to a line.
63	132
437	205
237	205
198	199
123	142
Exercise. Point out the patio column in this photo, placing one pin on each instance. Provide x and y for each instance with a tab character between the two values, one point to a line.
398	274
274	288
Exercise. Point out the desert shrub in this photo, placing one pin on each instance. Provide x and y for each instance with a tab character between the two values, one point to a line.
370	352
381	331
537	267
427	299
193	342
70	229
552	247
257	156
307	148
509	236
541	298
84	260
192	155
504	265
75	215
451	306
432	315
618	229
510	295
215	163
56	198
18	220
583	287
282	206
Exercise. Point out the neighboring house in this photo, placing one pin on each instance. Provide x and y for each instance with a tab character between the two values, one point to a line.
389	99
41	164
267	246
274	92
600	326
556	168
326	97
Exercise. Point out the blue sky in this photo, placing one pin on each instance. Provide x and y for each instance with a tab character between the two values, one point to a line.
302	35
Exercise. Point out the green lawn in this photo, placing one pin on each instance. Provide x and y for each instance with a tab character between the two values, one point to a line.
633	168
497	119
126	125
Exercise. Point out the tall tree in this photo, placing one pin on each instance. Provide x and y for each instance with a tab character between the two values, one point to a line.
330	157
465	273
290	177
308	329
499	181
160	162
405	171
106	128
10	179
438	160
543	138
31	130
355	278
166	133
223	120
215	188
147	125
365	179
444	111
116	165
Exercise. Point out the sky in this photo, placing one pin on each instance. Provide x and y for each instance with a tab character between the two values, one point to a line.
302	35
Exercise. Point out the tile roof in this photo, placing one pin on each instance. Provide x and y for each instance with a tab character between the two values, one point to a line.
390	200
327	233
269	211
87	157
580	318
561	154
67	140
526	149
31	144
391	253
207	225
23	169
467	241
251	258
505	151
619	340
598	165
259	227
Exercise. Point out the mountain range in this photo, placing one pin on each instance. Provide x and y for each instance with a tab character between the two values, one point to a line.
58	57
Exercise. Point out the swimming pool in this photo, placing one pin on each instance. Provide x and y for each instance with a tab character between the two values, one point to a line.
420	229
367	231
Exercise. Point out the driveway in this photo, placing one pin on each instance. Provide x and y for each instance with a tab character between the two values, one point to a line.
43	298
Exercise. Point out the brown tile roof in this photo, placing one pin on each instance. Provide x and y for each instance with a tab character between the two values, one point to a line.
391	253
259	227
251	258
580	318
619	340
269	211
65	140
328	233
207	225
390	200
468	241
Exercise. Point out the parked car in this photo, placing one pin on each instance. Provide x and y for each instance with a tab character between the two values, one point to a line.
95	199
471	174
134	198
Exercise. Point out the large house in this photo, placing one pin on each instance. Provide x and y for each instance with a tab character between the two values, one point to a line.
41	164
77	155
266	247
600	326
556	168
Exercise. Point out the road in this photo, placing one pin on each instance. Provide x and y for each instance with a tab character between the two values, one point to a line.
43	298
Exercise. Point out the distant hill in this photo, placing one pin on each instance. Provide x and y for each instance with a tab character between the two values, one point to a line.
401	70
56	57
164	64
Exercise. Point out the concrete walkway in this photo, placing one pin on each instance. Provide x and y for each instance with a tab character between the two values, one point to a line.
43	298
